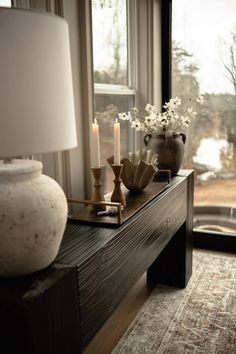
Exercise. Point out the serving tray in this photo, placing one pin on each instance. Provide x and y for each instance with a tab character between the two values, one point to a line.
134	202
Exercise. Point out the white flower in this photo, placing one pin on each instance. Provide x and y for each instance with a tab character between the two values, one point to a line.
163	117
149	108
191	112
173	103
185	120
136	124
123	116
175	116
159	117
152	116
149	120
164	123
200	99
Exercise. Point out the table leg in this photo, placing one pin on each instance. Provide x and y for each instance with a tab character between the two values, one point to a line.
174	264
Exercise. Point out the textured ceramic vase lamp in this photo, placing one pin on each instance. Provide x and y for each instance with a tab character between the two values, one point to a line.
37	116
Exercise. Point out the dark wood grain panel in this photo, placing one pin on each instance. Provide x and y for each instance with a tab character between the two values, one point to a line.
106	278
173	267
42	317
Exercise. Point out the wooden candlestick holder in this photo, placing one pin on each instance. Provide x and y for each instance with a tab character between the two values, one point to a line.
97	195
118	194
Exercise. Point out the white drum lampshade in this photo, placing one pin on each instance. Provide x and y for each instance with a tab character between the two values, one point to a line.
36	116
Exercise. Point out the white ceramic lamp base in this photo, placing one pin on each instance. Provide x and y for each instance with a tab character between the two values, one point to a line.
33	214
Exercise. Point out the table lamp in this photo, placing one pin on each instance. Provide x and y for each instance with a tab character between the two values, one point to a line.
36	116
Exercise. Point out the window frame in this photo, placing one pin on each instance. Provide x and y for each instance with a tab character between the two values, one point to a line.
143	18
144	21
131	88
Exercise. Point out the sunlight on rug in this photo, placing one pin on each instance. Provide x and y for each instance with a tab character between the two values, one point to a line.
198	319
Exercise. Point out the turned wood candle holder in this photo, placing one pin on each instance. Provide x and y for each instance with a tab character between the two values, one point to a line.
97	195
118	194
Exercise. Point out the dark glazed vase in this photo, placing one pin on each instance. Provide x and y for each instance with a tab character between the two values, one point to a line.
170	150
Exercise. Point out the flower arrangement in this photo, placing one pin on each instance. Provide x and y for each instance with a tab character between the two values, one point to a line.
149	120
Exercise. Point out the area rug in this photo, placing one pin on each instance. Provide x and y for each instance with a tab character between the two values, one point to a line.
198	319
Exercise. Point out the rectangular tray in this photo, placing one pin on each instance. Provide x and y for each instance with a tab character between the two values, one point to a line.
134	202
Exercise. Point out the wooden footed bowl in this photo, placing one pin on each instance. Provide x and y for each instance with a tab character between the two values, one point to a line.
138	169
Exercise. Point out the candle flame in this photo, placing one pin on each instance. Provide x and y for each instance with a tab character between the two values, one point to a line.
95	121
116	120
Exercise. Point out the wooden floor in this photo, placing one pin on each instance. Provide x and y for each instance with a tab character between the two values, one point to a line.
108	336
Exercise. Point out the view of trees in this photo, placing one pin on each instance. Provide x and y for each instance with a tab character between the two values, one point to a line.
217	116
115	38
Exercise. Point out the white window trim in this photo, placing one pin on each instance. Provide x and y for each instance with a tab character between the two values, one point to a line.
107	89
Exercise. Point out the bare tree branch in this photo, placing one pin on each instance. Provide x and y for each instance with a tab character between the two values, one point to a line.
231	66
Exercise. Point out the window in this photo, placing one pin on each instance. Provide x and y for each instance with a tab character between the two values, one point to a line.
203	62
112	74
5	3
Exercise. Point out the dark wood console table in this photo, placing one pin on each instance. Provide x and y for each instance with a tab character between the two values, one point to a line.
58	310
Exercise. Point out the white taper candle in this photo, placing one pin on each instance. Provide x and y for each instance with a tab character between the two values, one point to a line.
95	144
116	143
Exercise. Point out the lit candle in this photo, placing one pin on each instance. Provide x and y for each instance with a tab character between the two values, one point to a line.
116	143
95	144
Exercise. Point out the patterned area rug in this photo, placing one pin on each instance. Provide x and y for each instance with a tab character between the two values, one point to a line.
198	319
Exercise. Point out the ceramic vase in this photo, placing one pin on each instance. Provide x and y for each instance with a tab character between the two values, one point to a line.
33	214
169	148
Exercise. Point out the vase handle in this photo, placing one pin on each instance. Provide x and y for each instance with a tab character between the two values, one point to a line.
146	138
183	137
